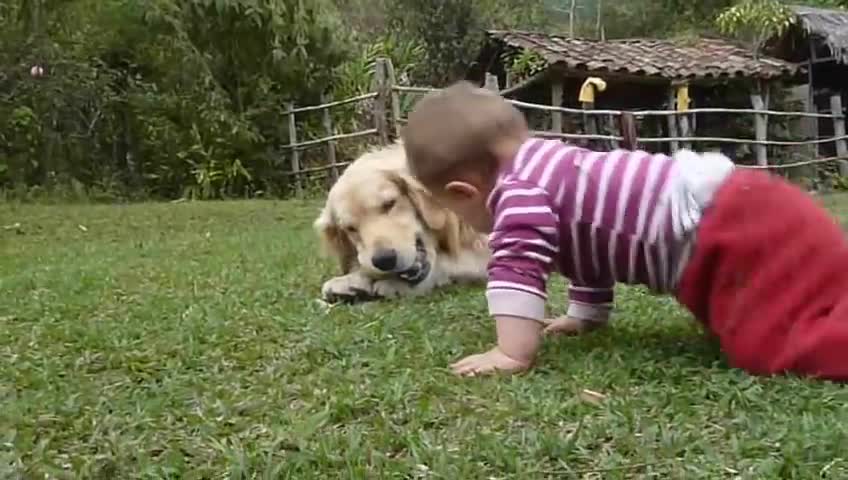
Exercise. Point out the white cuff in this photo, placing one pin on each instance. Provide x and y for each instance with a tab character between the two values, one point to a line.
515	303
589	312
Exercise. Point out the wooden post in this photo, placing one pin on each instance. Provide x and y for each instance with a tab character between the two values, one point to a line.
571	14
674	145
295	153
759	101
589	121
492	83
627	124
838	124
813	124
380	84
557	89
331	144
394	97
611	129
685	131
682	105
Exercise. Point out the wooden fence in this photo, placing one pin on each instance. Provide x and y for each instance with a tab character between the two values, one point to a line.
388	121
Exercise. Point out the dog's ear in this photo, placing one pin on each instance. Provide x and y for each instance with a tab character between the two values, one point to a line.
334	240
432	214
457	235
450	231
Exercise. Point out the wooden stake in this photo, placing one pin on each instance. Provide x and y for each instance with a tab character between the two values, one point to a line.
628	131
492	83
394	97
674	145
759	101
838	124
811	96
380	84
295	153
571	14
557	88
590	124
331	144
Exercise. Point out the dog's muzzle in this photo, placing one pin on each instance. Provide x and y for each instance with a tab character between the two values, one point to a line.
420	267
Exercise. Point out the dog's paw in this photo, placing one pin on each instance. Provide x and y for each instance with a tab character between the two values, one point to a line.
392	289
349	288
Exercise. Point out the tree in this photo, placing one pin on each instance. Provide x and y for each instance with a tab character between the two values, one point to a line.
756	21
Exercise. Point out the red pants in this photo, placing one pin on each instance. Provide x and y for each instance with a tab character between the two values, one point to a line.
769	277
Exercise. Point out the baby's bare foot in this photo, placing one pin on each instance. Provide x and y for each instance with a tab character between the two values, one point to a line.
566	325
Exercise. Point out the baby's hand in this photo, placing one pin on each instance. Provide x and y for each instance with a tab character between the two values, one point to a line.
566	325
490	362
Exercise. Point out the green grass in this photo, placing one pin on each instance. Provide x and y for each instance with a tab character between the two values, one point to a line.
185	341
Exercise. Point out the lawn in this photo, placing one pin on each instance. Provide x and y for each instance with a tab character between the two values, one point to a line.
185	341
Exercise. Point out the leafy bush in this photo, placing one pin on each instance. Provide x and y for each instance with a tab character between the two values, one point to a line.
160	97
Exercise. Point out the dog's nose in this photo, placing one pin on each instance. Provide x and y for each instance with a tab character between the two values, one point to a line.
385	259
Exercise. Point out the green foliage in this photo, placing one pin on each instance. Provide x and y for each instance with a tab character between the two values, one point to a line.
451	32
524	64
756	21
161	97
170	98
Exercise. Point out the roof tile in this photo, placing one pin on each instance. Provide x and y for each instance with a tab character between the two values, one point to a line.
698	59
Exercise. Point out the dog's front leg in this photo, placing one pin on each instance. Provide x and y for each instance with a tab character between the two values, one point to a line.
351	288
392	288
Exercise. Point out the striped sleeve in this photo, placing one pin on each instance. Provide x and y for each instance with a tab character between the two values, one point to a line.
590	302
524	245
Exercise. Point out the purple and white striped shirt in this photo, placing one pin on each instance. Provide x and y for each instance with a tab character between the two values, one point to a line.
596	217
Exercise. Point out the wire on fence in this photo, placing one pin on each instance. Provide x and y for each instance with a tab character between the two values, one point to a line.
320	168
337	103
794	164
295	146
318	141
645	113
576	136
785	143
401	88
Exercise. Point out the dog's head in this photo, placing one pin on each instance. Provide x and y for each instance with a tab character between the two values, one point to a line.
388	224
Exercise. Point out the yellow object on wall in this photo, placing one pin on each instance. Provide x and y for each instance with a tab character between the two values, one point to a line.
587	91
683	98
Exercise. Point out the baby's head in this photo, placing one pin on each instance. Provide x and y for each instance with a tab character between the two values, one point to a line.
456	140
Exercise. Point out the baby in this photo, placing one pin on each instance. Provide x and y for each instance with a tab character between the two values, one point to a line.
754	258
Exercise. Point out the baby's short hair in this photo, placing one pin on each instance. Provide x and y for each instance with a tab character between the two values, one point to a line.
454	130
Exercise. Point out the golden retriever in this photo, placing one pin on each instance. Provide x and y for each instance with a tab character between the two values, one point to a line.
390	237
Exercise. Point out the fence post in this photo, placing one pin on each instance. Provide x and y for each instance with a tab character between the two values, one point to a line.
627	123
760	101
557	89
380	84
838	124
492	83
295	153
682	101
331	144
394	98
674	145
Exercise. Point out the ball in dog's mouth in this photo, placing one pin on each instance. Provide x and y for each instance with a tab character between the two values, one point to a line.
420	267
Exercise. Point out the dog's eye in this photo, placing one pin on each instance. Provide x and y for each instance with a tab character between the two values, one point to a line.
388	205
350	229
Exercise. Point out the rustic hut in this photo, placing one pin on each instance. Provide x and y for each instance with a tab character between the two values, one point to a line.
819	40
639	74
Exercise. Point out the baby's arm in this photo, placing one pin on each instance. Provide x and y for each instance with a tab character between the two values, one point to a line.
524	244
518	343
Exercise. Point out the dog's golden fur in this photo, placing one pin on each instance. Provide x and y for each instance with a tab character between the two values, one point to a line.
377	206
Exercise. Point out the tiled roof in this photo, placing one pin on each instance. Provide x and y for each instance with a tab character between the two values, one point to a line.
696	59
